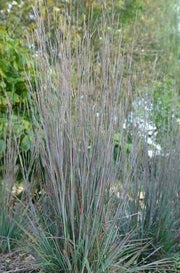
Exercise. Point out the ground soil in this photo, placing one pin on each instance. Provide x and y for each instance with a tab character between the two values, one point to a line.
16	262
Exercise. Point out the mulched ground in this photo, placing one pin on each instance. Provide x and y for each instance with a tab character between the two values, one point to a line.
16	262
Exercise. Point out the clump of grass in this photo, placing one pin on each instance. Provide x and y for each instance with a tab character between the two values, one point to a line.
153	192
78	104
11	211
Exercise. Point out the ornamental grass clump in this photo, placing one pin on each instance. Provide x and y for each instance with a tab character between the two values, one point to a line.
154	203
11	211
78	105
